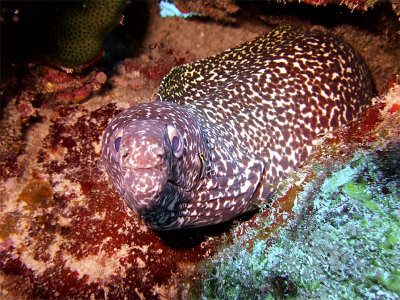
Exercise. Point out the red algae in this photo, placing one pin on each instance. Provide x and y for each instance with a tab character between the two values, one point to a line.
394	108
9	167
42	85
77	240
358	131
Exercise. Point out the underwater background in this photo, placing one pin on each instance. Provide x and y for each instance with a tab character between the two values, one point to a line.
68	67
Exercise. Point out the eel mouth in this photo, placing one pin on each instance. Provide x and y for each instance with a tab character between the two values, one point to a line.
143	188
154	198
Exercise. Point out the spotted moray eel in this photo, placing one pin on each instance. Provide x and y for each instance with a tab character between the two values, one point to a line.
226	129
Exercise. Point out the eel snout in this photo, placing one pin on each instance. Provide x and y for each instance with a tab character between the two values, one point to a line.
144	186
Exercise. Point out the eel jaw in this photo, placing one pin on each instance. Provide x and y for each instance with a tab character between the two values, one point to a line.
143	188
157	201
154	198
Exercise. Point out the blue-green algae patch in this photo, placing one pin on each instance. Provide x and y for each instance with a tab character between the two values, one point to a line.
344	243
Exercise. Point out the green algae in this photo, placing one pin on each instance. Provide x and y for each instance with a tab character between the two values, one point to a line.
357	190
347	247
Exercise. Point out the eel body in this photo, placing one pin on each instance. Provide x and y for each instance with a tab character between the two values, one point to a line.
224	130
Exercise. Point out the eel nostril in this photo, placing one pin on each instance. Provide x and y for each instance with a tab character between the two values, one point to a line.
157	150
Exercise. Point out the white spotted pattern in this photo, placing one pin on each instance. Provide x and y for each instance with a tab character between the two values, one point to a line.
248	116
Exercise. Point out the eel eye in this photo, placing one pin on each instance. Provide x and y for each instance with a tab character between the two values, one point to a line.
117	143
176	140
118	139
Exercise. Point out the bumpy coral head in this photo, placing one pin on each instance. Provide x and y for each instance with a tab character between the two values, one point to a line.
150	156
